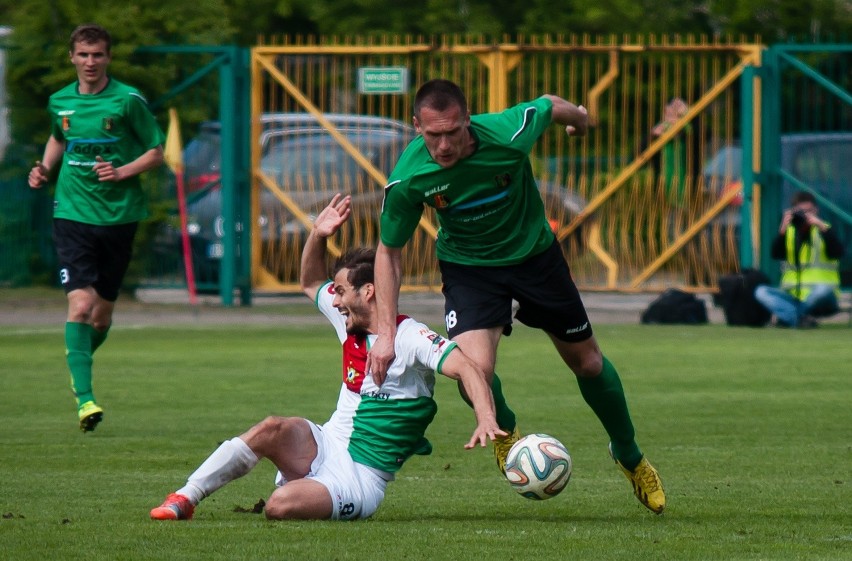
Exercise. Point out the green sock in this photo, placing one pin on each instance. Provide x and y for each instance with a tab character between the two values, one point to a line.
605	396
505	416
98	338
78	354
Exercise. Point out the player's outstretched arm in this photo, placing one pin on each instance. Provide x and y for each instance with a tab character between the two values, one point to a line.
574	118
313	272
459	367
388	272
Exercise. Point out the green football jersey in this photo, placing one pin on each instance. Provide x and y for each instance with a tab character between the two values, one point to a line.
488	206
114	124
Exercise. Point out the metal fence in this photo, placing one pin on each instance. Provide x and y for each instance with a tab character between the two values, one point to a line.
633	210
640	203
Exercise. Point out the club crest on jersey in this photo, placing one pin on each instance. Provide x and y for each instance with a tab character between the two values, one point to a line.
351	375
441	201
66	123
107	123
503	180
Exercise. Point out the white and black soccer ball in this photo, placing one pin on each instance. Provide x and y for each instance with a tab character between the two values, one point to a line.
538	466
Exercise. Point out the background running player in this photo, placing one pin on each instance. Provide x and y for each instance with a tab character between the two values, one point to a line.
102	137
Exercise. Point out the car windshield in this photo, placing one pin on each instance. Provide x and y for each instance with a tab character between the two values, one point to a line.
201	155
303	159
824	163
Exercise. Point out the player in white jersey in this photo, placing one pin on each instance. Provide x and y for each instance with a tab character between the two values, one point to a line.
339	470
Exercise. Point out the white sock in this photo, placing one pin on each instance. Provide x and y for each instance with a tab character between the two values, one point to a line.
231	460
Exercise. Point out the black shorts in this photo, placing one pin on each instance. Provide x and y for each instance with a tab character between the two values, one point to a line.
96	256
481	297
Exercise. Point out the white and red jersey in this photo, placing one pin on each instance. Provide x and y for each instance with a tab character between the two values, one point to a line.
354	363
391	419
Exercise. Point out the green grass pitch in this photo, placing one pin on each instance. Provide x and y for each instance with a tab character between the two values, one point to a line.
749	428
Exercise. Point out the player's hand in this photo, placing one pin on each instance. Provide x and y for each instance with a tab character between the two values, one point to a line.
39	175
105	170
483	433
332	217
379	358
581	122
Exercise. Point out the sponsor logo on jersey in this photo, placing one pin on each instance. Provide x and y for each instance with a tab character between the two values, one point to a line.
438	189
438	343
435	338
91	148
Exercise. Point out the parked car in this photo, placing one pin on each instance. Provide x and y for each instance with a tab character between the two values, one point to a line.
310	166
301	157
823	161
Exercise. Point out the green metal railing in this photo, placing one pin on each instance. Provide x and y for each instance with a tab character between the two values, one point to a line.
232	65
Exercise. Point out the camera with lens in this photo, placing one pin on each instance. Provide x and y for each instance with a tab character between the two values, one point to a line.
799	218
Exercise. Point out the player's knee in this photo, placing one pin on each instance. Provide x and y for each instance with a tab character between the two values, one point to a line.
80	310
265	434
276	509
587	365
101	324
292	506
271	424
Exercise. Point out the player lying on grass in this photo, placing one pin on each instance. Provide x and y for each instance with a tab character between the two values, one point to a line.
339	470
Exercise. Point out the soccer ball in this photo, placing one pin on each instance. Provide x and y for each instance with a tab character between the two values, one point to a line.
538	467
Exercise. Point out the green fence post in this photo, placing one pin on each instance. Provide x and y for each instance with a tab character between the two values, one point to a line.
236	210
228	149
747	164
242	109
770	156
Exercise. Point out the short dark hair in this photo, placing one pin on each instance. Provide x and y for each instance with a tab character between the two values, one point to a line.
439	95
802	197
360	262
90	33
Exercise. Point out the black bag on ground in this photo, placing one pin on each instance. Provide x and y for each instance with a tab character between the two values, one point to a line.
676	306
736	296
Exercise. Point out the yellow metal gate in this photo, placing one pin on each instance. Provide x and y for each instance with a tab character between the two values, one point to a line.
641	203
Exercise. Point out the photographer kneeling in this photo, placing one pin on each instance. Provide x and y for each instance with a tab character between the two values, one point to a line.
809	251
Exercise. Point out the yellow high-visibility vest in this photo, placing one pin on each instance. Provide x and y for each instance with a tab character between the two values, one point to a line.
815	267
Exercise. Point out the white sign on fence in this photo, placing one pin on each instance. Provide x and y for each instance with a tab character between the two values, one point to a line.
382	79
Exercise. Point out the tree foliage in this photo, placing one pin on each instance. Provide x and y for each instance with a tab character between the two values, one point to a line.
38	57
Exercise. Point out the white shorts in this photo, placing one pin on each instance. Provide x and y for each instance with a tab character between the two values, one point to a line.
356	490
